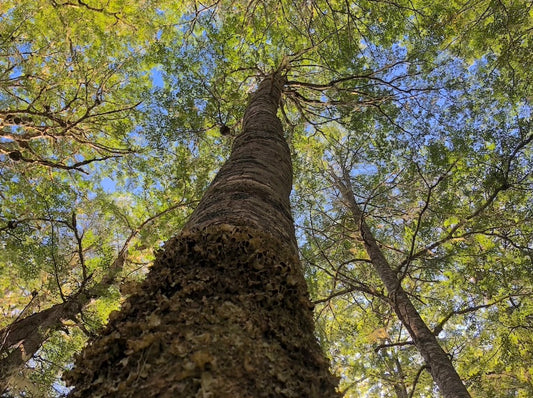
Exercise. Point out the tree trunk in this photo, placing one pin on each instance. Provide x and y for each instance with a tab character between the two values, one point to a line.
21	340
438	362
224	311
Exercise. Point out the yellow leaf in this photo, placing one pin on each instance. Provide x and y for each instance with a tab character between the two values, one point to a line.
378	334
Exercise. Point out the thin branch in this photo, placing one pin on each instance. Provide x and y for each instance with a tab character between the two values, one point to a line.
440	326
79	239
54	263
415	381
405	267
389	345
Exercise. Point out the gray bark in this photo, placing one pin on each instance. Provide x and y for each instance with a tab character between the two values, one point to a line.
438	362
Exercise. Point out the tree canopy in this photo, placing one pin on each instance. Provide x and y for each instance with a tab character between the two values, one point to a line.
412	116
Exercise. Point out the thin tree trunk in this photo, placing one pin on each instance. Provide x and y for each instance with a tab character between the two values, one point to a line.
438	362
20	340
224	311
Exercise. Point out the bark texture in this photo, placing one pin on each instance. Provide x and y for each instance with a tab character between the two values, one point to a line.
438	362
224	311
252	188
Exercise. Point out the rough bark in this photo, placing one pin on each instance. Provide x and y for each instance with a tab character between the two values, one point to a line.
438	362
224	311
252	188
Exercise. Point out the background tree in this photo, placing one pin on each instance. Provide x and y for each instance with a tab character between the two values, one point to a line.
76	224
426	105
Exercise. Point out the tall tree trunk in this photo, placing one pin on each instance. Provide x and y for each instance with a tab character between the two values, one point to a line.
224	311
438	362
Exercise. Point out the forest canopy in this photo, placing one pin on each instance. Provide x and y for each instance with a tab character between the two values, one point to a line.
408	120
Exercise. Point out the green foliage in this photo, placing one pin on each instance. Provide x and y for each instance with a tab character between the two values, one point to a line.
110	114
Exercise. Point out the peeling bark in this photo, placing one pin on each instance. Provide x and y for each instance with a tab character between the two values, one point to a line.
438	362
224	311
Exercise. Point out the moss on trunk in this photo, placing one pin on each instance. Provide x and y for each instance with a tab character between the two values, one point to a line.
224	312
